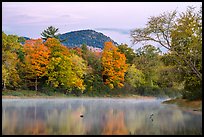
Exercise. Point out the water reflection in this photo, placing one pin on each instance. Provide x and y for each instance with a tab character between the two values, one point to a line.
101	116
114	123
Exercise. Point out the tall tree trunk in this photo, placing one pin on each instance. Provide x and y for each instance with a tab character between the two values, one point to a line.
36	84
4	85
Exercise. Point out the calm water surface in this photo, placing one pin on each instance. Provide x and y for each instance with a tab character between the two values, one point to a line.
100	116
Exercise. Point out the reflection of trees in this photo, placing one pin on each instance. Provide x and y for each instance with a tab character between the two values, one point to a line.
5	120
66	121
8	125
16	121
177	116
99	118
165	120
138	119
175	121
34	123
36	128
135	121
114	124
34	120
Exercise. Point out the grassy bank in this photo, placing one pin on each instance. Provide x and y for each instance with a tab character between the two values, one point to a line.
36	94
28	93
196	104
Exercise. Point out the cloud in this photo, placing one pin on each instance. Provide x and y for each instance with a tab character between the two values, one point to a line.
22	19
121	31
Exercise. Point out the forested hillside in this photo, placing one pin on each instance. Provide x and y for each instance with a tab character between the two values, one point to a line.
88	37
77	38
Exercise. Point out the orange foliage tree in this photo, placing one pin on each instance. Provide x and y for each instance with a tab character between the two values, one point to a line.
114	66
55	46
36	59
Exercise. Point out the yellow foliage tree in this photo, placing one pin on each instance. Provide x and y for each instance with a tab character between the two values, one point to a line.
10	75
65	69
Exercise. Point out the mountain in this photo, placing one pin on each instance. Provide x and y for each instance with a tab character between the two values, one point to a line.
23	39
26	38
88	37
76	38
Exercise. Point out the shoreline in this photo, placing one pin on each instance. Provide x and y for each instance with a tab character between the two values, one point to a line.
52	97
196	105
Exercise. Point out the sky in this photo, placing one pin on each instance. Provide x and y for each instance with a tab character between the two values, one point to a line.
114	19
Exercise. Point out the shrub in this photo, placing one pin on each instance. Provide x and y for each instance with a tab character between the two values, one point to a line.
16	93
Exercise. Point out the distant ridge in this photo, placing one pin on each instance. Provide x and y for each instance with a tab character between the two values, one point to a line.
88	37
26	38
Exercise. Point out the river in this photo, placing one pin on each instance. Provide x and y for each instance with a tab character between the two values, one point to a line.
97	116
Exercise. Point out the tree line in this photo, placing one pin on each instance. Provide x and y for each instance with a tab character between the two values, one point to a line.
45	64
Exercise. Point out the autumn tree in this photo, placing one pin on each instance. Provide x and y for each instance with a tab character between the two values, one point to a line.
114	65
76	50
65	69
55	46
36	59
79	67
10	47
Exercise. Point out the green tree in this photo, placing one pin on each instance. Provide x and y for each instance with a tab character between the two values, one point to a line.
93	59
159	29
169	77
21	40
93	79
187	42
182	36
134	77
148	61
50	32
129	53
84	49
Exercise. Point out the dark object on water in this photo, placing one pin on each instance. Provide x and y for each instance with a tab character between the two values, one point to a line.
151	115
81	115
197	110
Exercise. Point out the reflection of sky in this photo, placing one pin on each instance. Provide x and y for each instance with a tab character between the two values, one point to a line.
112	18
101	116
